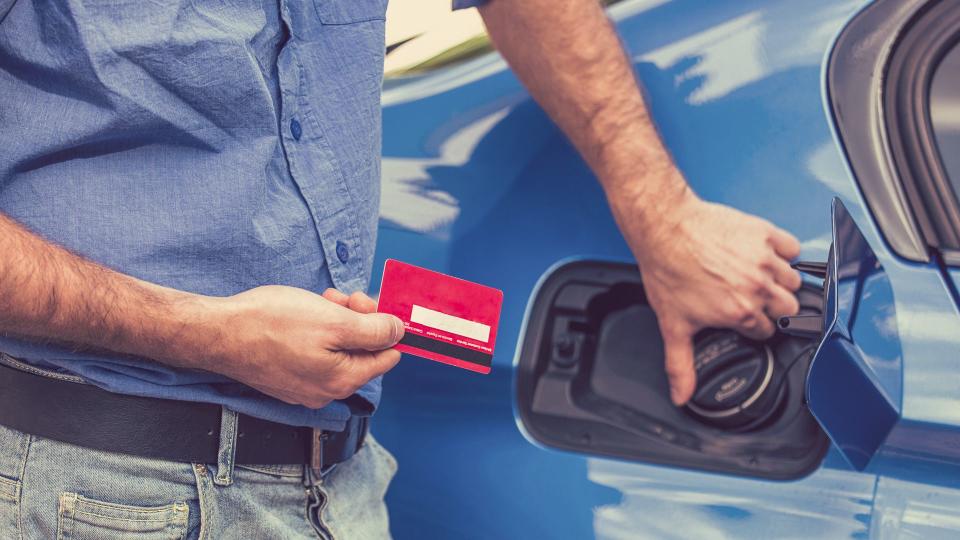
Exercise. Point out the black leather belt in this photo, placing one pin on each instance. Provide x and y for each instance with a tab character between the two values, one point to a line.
88	416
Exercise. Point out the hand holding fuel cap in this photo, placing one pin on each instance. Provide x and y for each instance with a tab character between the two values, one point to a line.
708	265
301	347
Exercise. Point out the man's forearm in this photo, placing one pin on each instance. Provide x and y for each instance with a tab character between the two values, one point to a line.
571	60
48	293
289	343
704	265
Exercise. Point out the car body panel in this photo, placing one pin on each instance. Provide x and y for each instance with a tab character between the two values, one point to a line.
478	183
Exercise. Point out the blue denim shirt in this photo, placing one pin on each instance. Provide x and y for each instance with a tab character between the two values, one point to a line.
208	146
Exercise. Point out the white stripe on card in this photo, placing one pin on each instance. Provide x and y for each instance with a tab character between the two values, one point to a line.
449	323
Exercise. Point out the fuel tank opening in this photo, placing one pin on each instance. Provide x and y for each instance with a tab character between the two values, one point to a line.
590	378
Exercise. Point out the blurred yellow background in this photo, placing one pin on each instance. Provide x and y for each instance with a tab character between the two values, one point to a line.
424	34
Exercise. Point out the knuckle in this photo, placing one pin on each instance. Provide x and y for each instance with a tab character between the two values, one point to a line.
749	323
755	282
765	328
793	243
769	261
795	280
769	231
671	327
745	313
751	284
736	312
382	333
387	333
677	367
793	305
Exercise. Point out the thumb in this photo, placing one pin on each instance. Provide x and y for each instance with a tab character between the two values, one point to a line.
372	332
678	352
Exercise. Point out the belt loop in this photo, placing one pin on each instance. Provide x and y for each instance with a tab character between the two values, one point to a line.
318	438
362	432
228	447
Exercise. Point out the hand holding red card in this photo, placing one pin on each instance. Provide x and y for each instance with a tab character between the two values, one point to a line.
447	319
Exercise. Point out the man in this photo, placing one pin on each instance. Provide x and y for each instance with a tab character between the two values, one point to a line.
186	189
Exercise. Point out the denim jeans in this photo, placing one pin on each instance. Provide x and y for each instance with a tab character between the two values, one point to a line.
49	489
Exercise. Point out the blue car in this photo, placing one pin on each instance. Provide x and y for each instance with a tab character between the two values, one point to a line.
836	120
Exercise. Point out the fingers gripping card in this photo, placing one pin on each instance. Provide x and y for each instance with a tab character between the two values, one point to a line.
447	319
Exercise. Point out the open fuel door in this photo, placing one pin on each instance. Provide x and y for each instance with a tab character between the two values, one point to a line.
854	387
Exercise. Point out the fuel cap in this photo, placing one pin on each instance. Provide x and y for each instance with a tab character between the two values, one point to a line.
734	376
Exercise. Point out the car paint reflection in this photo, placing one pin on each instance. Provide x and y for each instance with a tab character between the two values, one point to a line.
666	503
510	198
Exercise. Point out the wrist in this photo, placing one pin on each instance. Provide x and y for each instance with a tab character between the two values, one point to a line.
188	330
649	209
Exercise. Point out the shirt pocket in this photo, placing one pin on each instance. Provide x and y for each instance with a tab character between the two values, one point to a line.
81	518
350	11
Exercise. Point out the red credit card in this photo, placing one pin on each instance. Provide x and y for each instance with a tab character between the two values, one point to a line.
447	319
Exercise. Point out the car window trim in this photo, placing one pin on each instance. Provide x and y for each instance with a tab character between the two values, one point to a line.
928	37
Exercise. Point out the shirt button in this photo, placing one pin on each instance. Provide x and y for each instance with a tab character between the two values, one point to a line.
295	129
342	252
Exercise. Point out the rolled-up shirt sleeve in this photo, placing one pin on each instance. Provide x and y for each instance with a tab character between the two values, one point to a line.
463	4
